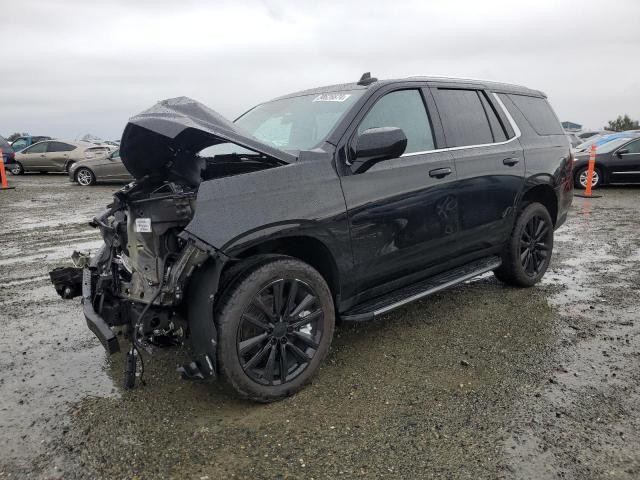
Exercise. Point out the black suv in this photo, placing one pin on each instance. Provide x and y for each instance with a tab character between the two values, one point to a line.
249	239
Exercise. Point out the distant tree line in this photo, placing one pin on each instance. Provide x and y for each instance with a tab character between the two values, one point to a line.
623	123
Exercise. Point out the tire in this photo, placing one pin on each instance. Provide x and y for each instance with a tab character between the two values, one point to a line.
67	167
252	339
580	178
17	169
528	251
85	177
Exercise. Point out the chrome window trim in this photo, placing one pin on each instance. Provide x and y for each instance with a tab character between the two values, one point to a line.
628	172
514	125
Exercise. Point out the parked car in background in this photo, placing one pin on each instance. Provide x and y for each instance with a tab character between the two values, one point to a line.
590	133
21	143
600	140
575	141
7	151
101	169
351	201
55	156
617	161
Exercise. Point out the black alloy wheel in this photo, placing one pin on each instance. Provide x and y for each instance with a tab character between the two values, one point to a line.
527	253
534	246
280	332
275	321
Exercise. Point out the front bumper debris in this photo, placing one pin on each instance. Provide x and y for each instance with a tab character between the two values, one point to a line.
94	321
67	281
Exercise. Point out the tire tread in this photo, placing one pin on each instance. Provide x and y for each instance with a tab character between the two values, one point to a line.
243	281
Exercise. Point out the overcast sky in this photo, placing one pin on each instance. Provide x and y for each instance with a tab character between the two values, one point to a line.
72	67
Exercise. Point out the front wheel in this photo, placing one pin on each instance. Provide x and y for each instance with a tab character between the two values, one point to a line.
85	177
275	325
580	179
17	169
528	252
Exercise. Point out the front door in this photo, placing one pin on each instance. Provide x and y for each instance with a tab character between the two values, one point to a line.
33	157
489	163
112	167
624	165
401	211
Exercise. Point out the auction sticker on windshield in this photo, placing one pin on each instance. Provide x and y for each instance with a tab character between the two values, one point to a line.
332	97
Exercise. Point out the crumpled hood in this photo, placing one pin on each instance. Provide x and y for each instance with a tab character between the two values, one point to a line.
163	141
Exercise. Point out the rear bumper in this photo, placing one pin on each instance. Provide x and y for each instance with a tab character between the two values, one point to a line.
94	321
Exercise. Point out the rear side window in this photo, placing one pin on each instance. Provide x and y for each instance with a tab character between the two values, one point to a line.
494	122
402	109
538	113
59	147
463	118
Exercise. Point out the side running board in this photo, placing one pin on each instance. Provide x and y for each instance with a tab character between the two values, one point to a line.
381	305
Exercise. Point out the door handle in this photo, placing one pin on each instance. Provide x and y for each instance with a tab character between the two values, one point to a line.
440	172
510	162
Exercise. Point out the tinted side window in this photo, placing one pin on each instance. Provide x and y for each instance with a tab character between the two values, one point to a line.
494	122
463	118
633	147
403	109
37	148
59	147
538	113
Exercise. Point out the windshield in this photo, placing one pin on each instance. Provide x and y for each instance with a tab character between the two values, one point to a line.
298	123
600	140
20	143
612	144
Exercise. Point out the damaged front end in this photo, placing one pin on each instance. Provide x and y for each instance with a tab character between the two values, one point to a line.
137	283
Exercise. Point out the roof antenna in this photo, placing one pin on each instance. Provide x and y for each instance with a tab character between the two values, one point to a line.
367	79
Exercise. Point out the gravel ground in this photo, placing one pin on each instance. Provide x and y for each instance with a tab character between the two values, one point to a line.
480	381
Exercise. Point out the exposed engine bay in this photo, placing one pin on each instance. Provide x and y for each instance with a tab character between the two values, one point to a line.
136	284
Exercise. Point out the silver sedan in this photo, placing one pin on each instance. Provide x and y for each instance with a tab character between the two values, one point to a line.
108	169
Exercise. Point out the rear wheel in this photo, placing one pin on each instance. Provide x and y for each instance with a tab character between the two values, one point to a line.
580	179
17	169
85	177
275	325
528	251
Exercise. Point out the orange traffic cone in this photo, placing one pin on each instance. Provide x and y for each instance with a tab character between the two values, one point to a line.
590	169
3	175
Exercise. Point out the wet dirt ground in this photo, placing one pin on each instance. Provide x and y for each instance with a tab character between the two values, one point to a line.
480	381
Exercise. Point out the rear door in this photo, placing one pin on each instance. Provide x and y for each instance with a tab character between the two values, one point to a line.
58	155
34	157
401	211
489	164
624	165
